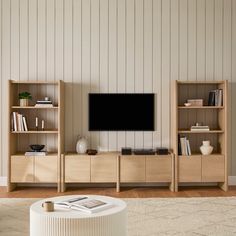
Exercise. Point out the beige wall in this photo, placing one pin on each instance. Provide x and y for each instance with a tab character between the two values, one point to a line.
117	46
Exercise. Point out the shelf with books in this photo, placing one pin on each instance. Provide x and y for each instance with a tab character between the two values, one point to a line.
196	125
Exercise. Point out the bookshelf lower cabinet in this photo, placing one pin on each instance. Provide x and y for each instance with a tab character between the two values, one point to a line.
77	168
213	168
159	169
103	169
190	168
45	169
22	169
132	169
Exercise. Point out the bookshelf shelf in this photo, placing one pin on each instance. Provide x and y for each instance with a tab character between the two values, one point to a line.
33	107
198	168
201	107
200	132
35	169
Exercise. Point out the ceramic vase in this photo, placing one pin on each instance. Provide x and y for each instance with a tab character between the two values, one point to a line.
24	102
206	148
82	145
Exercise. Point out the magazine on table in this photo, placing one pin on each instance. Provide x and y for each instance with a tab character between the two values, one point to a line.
85	204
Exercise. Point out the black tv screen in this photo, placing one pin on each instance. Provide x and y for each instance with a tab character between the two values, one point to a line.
121	112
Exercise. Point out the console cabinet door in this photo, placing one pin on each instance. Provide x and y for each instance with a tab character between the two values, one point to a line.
45	169
77	168
22	169
190	168
159	169
132	168
104	169
213	168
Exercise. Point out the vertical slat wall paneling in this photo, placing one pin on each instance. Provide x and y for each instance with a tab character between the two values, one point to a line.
23	53
157	70
201	54
165	112
1	101
233	87
6	74
42	63
50	72
33	56
94	86
210	50
218	39
174	50
104	61
77	65
139	59
112	76
86	73
148	60
121	59
130	59
227	69
68	71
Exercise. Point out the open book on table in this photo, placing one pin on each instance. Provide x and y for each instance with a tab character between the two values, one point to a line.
85	204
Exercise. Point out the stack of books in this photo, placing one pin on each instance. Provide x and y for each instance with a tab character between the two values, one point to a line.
44	103
31	153
215	98
200	128
19	122
184	146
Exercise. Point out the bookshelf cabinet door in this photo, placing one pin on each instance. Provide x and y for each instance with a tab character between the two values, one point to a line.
213	168
77	169
103	169
158	169
45	169
190	168
22	169
132	169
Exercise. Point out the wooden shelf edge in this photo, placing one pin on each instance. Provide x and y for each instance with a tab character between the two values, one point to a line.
36	132
33	107
201	107
200	132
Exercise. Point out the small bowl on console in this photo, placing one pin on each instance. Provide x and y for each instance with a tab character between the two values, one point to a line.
37	147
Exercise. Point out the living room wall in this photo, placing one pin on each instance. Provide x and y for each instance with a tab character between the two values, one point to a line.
117	46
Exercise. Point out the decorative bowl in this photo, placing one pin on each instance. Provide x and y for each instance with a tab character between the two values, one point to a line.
37	147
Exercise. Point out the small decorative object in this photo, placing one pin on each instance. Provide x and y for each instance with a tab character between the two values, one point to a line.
42	124
24	98
206	148
46	98
195	102
37	123
187	104
82	144
37	147
48	206
92	152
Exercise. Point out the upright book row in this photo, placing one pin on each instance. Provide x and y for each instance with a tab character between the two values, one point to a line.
19	122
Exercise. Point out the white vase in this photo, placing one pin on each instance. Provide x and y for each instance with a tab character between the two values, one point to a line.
82	145
206	148
24	102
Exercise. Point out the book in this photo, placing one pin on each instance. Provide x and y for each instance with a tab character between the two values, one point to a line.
188	148
15	121
200	128
215	97
211	99
183	146
42	153
43	102
43	105
25	124
85	204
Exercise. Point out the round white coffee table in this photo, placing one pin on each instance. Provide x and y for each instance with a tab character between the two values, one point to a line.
66	222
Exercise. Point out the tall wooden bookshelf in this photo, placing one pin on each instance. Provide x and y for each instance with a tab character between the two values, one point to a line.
198	168
36	169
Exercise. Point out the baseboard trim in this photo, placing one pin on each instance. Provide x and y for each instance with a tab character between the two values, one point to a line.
231	179
3	181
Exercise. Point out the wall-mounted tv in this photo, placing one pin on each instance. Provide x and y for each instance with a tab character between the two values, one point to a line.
121	112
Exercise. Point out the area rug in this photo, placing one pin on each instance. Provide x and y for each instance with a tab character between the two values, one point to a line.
146	217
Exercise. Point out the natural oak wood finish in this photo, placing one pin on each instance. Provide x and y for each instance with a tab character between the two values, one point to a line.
189	169
77	168
22	169
132	168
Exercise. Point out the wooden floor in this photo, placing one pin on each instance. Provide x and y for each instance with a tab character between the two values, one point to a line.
147	192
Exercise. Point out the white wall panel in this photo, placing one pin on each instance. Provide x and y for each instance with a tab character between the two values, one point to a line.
116	46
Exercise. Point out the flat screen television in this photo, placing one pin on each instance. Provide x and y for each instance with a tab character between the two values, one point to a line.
121	112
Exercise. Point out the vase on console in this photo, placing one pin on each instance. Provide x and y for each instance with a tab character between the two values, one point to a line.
82	145
206	148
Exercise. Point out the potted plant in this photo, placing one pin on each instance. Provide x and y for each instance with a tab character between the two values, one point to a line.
24	98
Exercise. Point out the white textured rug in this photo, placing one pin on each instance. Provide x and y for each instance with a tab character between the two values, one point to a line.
146	217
